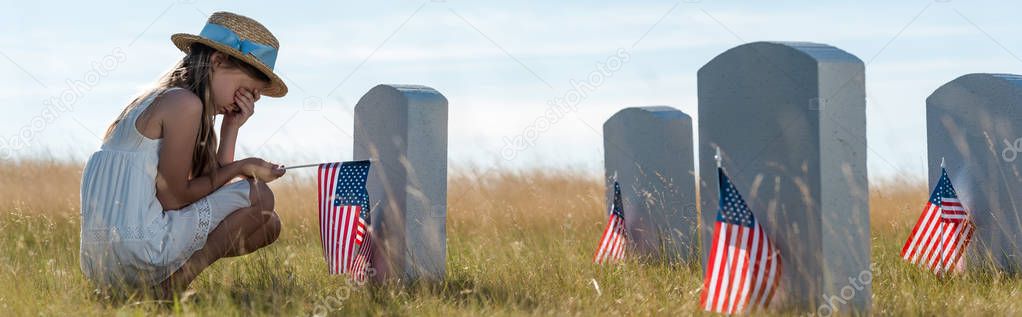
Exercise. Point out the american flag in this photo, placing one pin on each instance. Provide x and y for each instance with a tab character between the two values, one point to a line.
744	266
360	266
342	199
612	245
943	231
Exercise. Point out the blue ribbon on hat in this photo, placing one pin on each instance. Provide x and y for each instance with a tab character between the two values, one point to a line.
221	34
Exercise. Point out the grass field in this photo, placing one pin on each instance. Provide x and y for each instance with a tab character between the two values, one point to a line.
520	243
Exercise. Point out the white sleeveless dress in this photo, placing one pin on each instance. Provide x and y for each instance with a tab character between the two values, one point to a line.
127	239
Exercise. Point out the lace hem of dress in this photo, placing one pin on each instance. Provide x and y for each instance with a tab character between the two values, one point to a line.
204	212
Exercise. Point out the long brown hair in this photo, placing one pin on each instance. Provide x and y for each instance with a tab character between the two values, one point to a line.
193	72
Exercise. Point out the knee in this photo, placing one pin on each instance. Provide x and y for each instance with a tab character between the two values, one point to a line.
261	196
273	228
264	229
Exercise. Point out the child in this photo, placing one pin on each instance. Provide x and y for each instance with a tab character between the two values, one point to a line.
157	205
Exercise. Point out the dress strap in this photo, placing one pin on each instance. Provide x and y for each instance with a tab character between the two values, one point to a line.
128	123
144	103
148	100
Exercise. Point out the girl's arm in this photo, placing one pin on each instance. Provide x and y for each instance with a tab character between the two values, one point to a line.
180	113
228	139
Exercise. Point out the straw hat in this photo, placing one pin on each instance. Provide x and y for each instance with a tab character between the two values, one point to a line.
243	38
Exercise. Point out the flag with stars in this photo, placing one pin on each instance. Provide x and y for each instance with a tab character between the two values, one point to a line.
612	245
943	231
744	267
342	199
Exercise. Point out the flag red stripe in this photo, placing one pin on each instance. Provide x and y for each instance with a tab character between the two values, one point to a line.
743	271
776	269
342	260
356	211
949	242
334	215
915	230
770	274
708	271
604	240
952	243
748	277
361	264
935	246
343	233
911	250
335	218
970	228
726	268
324	170
718	264
941	245
757	268
929	232
335	241
347	239
619	239
619	245
612	245
319	211
736	278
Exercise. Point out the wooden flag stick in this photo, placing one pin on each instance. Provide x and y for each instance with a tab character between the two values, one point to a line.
717	156
317	164
301	166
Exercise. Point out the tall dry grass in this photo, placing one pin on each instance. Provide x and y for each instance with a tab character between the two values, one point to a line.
519	243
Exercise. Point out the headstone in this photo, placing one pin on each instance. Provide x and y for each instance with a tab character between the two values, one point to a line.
649	149
403	129
974	122
790	120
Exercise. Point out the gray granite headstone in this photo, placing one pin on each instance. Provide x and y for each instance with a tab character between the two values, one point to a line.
403	129
975	123
650	151
790	120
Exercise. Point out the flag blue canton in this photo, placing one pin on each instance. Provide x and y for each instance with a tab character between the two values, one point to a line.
365	212
733	209
943	190
351	186
617	209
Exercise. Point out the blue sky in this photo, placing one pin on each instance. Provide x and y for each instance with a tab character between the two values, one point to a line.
498	63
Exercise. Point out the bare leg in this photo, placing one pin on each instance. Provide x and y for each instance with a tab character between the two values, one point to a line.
242	232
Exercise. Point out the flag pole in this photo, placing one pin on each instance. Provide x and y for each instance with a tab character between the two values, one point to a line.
317	164
717	156
941	162
300	166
